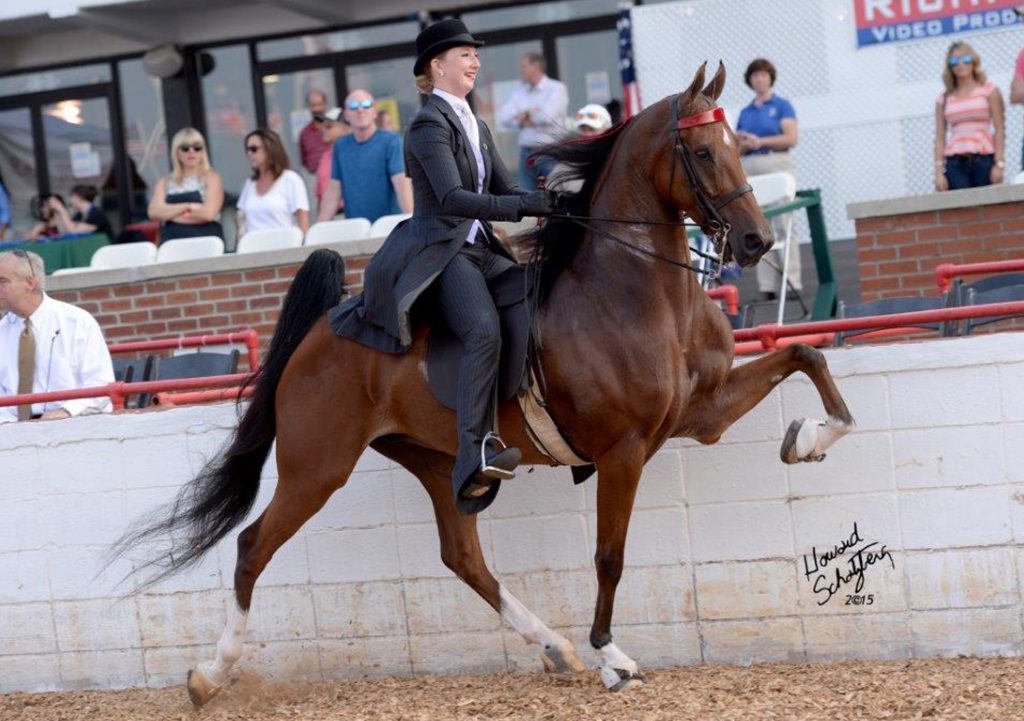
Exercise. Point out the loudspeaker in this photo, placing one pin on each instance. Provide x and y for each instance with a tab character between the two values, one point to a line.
163	61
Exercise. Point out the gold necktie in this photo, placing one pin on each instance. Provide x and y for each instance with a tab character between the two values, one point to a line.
26	367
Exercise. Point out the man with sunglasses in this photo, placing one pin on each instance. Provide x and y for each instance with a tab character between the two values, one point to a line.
46	345
368	168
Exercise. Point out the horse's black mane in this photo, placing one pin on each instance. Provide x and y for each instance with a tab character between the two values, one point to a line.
555	242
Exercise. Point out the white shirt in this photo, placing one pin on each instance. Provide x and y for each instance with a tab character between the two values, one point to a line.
547	102
277	207
70	354
468	120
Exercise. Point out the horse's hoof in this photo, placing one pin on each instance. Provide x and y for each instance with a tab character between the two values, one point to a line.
200	688
561	660
621	679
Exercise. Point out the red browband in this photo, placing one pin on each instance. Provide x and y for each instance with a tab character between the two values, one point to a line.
705	118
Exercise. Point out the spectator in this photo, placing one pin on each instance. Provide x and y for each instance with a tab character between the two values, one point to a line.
87	218
5	209
275	196
42	207
767	130
46	345
972	109
592	119
312	145
334	128
367	166
1017	84
189	200
538	108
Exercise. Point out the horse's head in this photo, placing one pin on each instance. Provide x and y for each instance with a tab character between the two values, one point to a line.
703	177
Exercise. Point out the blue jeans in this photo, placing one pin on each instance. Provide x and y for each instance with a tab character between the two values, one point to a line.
528	174
969	171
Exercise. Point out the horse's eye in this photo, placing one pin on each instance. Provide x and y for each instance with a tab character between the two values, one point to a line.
703	152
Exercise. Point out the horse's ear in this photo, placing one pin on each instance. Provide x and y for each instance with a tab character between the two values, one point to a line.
714	88
697	84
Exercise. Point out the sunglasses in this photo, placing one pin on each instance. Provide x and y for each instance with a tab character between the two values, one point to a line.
966	59
253	148
357	104
185	147
588	116
24	255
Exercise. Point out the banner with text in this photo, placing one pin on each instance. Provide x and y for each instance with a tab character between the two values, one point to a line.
887	21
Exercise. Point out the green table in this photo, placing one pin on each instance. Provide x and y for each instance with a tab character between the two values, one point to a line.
72	252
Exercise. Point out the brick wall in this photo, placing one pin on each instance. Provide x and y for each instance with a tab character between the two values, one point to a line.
195	297
897	254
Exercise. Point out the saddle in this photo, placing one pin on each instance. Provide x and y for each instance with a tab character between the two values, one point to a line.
514	294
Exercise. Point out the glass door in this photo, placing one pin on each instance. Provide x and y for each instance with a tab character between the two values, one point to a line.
18	169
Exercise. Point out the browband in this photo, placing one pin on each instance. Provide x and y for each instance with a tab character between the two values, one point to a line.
710	116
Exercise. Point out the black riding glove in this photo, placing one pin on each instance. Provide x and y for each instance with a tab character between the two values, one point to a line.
539	203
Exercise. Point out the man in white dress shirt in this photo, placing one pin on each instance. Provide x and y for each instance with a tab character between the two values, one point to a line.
46	345
538	108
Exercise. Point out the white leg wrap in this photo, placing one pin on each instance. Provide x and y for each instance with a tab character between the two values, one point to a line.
617	669
815	437
229	648
531	628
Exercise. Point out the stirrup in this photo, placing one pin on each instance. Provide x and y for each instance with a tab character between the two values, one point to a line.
493	471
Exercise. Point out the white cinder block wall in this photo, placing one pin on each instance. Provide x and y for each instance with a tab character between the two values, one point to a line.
715	562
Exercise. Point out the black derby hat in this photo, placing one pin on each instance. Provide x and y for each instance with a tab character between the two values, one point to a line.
435	39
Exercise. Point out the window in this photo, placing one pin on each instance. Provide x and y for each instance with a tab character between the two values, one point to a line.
589	67
145	135
230	113
42	80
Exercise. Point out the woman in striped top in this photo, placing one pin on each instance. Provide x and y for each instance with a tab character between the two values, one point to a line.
972	109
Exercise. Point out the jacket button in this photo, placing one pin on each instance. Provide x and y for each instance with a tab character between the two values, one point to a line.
485	146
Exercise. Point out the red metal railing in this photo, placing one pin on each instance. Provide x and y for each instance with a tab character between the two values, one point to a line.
730	294
247	336
770	335
118	390
945	273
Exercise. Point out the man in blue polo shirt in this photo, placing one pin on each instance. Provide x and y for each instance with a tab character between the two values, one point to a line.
367	165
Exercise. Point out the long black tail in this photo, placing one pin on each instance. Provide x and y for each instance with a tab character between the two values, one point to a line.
223	493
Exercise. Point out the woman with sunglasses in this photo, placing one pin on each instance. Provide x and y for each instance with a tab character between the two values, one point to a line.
972	111
189	200
275	196
448	247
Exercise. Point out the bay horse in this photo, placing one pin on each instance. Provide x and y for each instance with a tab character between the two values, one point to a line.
634	353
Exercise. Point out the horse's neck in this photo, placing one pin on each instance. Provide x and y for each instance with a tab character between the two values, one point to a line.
626	193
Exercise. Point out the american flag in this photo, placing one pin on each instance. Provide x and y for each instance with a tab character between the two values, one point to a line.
630	87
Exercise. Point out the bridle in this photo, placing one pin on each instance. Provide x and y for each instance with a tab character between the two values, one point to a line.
714	226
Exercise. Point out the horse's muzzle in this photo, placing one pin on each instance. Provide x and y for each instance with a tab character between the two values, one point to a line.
751	247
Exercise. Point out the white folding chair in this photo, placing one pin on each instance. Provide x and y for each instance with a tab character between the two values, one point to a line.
773	189
338	231
258	241
383	226
207	246
124	255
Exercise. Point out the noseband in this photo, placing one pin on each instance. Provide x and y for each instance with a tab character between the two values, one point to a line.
714	225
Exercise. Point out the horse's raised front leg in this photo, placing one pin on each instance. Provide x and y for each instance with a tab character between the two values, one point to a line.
807	439
618	474
460	551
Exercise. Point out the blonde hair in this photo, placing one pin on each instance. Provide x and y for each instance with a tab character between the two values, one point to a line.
948	79
188	135
425	83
